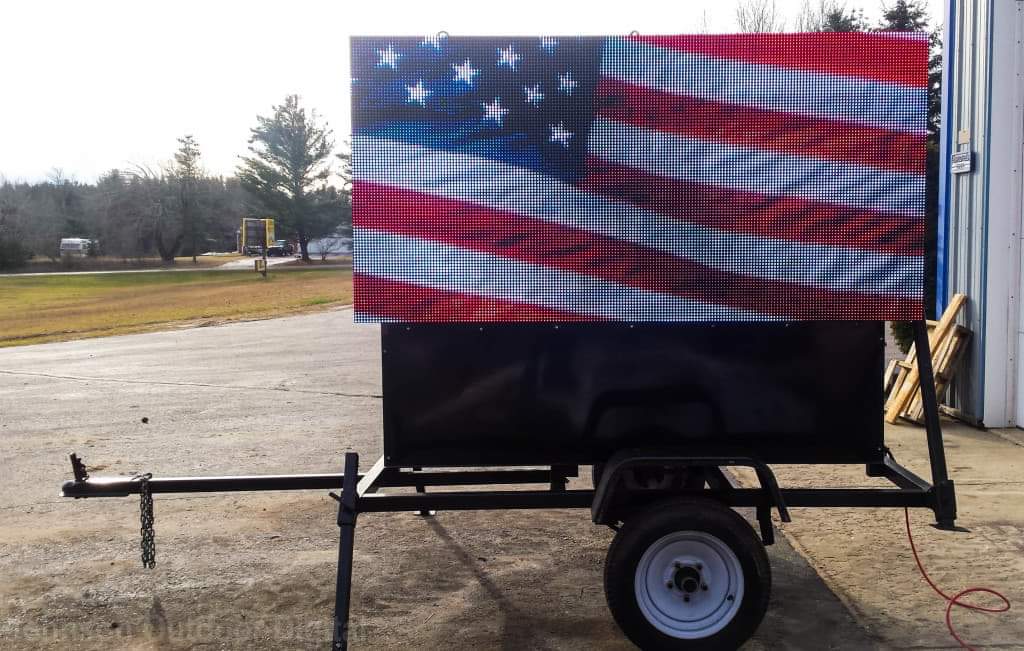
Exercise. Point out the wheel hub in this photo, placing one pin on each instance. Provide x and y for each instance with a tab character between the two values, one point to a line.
687	578
689	584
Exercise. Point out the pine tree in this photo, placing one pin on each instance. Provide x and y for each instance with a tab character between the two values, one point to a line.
187	172
904	16
839	19
288	171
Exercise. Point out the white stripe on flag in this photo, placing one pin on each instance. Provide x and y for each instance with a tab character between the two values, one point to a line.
450	268
508	188
888	105
757	170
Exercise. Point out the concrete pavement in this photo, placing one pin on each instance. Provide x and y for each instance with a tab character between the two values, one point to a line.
243	571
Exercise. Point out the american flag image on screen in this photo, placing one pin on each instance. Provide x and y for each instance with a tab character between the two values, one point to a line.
755	177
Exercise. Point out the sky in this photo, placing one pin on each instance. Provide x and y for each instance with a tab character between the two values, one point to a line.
91	86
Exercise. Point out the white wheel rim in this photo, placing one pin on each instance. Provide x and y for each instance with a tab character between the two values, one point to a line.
667	572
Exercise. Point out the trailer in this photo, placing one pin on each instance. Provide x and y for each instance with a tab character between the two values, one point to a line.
661	256
660	411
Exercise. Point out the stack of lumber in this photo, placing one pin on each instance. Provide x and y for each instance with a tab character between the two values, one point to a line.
948	342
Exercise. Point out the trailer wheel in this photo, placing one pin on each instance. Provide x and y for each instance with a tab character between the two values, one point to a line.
687	574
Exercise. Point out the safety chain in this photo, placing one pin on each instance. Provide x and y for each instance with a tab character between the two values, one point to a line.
146	517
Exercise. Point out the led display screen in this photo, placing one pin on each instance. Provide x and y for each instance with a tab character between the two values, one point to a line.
755	177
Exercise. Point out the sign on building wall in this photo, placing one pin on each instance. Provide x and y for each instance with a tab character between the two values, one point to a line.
643	178
960	162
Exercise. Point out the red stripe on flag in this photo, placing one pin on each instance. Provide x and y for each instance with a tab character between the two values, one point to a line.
392	299
751	127
786	218
893	58
476	228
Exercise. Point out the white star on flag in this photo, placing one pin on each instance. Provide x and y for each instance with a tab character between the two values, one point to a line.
560	134
465	72
495	111
566	83
388	58
433	41
418	94
548	43
508	57
533	95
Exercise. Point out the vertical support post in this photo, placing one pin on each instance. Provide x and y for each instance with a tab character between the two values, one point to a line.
420	488
266	244
942	486
347	512
559	478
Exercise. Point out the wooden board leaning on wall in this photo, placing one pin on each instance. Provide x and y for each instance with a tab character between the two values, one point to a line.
948	342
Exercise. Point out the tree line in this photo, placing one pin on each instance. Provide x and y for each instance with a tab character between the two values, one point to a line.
291	173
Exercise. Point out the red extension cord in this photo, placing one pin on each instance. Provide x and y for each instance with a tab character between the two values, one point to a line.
955	599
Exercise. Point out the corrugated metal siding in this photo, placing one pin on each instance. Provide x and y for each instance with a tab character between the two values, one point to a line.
965	219
982	210
1002	316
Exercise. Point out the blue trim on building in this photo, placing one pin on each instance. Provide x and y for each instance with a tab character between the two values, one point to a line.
945	150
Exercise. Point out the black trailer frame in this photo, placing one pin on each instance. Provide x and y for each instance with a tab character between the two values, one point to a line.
359	491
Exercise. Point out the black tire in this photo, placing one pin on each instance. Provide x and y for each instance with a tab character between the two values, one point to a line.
595	473
651	525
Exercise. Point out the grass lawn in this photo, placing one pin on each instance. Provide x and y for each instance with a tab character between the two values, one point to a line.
40	264
58	308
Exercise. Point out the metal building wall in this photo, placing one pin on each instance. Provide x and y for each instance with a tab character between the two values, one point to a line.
980	211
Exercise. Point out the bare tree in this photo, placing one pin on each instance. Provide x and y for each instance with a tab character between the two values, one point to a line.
38	219
13	253
330	245
759	16
811	15
132	212
156	199
124	203
829	16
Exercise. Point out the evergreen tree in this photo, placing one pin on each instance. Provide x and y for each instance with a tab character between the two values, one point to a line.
187	173
839	19
288	169
904	16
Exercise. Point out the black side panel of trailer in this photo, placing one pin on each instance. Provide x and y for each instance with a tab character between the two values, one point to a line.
540	394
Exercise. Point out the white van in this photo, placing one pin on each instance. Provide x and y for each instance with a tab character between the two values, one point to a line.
75	246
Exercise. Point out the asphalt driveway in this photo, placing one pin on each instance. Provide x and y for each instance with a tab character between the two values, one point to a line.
237	571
